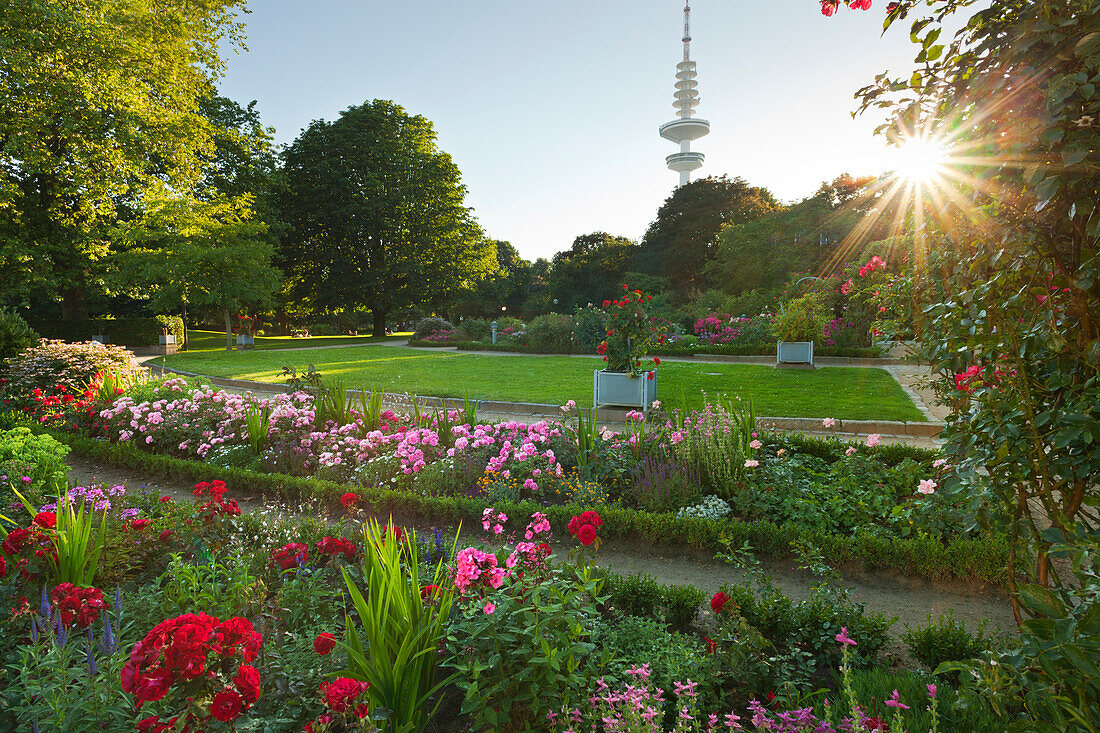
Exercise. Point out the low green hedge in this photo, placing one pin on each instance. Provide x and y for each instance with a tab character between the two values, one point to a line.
120	331
666	350
984	558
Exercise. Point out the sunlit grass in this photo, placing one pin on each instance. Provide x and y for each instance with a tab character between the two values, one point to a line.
841	392
215	340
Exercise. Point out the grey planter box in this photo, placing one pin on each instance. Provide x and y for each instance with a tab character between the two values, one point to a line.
245	342
166	339
619	389
794	352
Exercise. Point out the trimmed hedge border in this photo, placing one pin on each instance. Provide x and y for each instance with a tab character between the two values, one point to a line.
120	331
980	559
686	351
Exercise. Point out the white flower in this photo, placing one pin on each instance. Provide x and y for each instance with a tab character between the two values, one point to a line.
927	486
751	463
829	422
873	439
656	404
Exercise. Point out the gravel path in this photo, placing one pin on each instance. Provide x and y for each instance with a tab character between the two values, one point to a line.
908	599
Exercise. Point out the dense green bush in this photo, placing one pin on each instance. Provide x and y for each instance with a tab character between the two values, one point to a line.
119	331
801	319
427	326
39	458
15	334
476	329
944	639
589	329
56	363
682	604
552	334
635	595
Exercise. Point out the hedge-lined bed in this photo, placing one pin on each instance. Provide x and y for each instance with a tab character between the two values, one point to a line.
671	349
979	559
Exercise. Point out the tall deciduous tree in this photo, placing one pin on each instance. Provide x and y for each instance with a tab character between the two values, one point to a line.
682	240
376	214
589	271
100	104
197	252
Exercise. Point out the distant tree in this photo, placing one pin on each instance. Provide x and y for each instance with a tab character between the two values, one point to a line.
100	105
589	271
682	239
375	215
243	158
202	253
506	285
819	235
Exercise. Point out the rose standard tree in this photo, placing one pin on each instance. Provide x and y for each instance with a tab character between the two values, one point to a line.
1008	238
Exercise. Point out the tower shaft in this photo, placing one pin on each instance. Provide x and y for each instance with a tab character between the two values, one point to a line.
687	126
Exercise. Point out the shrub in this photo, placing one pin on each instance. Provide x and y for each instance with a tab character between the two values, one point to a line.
551	333
426	326
37	457
120	331
801	319
477	329
682	604
589	329
635	595
944	640
54	364
15	334
663	484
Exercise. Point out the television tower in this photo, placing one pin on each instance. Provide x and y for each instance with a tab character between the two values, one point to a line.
686	127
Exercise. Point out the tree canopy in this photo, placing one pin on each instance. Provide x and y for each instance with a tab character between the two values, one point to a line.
100	106
588	272
375	215
682	239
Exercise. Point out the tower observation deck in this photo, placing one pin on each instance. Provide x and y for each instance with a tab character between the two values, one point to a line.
686	127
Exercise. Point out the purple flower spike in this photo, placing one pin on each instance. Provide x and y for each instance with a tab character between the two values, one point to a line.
842	637
895	702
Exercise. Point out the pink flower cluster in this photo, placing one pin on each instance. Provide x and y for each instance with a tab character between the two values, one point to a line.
474	567
875	263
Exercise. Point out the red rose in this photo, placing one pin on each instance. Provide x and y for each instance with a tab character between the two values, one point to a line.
247	682
45	520
586	534
165	535
719	601
828	7
656	361
348	500
3	567
428	591
712	646
226	705
649	376
324	643
165	499
341	693
591	517
13	543
606	303
140	523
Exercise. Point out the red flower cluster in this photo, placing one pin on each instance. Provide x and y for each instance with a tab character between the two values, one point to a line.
51	408
79	606
336	546
217	504
289	555
875	262
584	527
26	543
341	693
324	643
348	500
194	647
719	601
45	520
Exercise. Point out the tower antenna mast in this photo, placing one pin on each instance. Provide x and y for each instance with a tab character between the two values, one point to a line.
686	127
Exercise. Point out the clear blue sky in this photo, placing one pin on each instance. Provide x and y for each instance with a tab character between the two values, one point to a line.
551	109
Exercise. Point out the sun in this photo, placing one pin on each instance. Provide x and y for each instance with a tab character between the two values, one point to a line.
919	160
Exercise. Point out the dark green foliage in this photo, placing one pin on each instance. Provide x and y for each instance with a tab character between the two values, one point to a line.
120	331
874	686
427	326
589	328
673	657
551	334
682	604
15	334
589	272
635	595
477	329
944	640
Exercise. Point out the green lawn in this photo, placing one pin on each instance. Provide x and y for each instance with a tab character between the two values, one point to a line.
846	393
215	340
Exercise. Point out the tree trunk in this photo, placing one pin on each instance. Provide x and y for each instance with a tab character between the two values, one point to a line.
228	329
74	303
379	322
